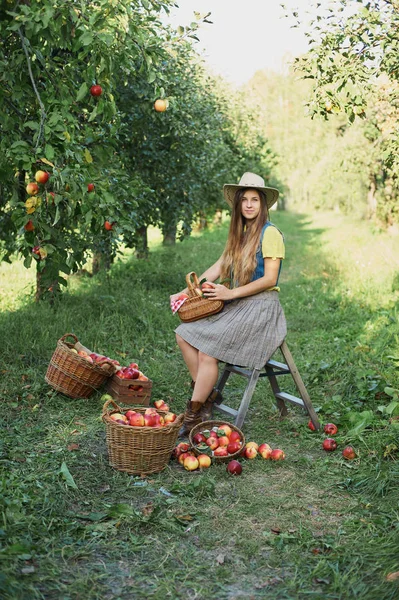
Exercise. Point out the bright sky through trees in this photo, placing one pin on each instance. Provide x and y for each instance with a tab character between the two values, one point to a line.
245	36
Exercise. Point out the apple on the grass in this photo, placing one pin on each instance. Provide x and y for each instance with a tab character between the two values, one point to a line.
311	426
191	463
234	467
329	445
183	456
265	451
330	429
204	461
180	448
349	453
250	452
252	445
277	454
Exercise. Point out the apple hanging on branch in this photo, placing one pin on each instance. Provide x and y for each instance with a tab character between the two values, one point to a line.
96	90
32	188
90	187
42	177
160	105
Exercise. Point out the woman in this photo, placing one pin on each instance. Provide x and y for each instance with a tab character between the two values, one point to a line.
251	325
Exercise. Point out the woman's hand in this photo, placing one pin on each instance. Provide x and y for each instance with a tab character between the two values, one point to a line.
177	296
216	291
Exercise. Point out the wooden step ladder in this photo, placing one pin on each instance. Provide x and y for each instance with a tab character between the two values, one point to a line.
272	370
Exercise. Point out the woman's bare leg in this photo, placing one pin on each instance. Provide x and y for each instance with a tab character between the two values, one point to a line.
207	376
190	356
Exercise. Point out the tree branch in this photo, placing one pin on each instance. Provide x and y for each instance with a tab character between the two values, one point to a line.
43	115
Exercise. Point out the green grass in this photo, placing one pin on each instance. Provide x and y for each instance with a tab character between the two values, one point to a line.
313	526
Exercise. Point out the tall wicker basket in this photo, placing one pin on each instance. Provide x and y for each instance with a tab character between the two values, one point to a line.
72	374
138	450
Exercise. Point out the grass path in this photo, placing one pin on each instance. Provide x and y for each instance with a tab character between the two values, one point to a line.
313	526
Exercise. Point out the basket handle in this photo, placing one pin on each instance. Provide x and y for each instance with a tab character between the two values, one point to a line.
69	335
107	403
193	284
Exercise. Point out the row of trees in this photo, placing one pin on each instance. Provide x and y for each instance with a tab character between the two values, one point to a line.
115	165
353	72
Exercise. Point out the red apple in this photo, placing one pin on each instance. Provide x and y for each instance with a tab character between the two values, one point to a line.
235	436
169	418
277	454
137	420
29	226
198	438
134	365
252	445
329	445
90	187
265	451
204	461
42	176
118	417
226	429
183	296
220	451
234	467
129	413
108	226
131	373
212	442
191	463
349	453
213	434
183	456
224	441
152	420
32	189
96	90
250	452
330	429
311	426
233	447
180	448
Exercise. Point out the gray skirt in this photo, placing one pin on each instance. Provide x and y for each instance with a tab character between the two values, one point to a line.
246	332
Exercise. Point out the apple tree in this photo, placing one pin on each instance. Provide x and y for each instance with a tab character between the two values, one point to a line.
58	114
353	63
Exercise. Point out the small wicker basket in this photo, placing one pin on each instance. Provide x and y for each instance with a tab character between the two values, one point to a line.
209	425
139	450
197	306
129	391
72	374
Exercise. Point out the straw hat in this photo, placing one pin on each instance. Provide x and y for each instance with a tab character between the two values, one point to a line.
254	182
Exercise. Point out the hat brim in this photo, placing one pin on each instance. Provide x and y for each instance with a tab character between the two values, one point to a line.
229	191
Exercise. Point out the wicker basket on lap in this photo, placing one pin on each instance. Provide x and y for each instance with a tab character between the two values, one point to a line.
196	305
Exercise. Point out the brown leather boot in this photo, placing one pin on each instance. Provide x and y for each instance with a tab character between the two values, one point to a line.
192	417
207	407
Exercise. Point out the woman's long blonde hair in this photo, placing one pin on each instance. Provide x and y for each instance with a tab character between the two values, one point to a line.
239	256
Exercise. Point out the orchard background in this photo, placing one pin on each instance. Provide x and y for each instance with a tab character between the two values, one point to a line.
132	202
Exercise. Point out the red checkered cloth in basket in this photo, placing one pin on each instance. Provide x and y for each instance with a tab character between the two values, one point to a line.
176	304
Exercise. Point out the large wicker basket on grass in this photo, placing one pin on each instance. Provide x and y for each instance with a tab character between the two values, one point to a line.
138	450
72	374
208	425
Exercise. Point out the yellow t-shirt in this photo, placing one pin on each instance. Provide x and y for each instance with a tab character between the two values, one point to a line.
273	246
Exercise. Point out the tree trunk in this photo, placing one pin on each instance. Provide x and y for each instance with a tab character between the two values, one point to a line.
102	261
371	198
202	222
47	285
217	219
169	235
141	242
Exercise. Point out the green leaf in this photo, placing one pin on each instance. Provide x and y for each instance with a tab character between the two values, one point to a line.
64	471
49	152
83	91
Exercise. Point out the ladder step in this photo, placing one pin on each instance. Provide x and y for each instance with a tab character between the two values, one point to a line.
239	370
277	365
289	398
226	409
